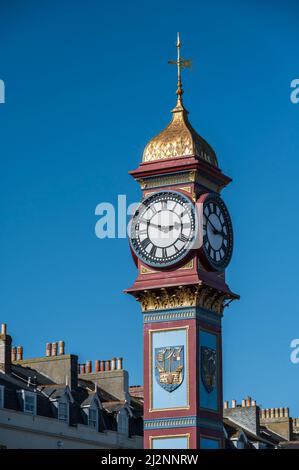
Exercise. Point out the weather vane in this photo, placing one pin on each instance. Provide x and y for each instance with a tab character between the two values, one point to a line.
181	65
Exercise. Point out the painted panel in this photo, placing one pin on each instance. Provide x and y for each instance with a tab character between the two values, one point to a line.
207	443
163	395
208	377
171	442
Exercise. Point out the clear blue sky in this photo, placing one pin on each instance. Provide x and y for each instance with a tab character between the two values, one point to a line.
87	85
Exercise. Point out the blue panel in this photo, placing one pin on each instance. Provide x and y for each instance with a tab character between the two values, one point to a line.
206	443
208	400
161	398
170	443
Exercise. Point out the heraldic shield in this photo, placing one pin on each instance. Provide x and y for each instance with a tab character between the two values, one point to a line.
169	367
208	368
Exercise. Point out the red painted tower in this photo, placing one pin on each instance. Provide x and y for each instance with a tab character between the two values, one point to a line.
181	240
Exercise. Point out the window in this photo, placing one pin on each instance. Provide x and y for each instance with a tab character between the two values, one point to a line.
122	422
1	396
93	417
29	400
63	411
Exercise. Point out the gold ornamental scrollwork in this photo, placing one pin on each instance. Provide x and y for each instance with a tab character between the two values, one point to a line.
183	296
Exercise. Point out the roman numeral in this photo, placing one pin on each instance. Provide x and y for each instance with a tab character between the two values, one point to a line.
153	209
145	243
153	250
183	238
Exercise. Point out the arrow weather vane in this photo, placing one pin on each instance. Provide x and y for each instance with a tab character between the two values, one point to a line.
181	65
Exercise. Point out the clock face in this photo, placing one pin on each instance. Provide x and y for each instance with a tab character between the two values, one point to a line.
163	229
217	233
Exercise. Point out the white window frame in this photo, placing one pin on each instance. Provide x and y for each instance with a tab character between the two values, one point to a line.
65	416
25	395
91	422
1	396
123	422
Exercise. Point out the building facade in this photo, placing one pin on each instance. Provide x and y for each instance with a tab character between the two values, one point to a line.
53	402
249	426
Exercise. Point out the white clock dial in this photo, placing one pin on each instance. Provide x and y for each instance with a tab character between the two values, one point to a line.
163	229
217	232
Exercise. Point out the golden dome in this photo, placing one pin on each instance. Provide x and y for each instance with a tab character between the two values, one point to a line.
179	139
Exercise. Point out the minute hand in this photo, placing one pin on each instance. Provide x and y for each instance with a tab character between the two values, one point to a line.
161	227
215	230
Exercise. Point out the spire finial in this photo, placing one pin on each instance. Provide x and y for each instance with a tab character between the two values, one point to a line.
181	65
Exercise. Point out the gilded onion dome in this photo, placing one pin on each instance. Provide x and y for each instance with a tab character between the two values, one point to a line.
179	139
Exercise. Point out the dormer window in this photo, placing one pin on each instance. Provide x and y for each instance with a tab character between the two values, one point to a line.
123	422
63	411
1	396
93	417
29	402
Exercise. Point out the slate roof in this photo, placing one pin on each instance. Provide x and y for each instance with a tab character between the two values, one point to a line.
265	436
26	378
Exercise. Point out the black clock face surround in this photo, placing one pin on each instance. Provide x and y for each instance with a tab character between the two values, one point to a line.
217	231
163	229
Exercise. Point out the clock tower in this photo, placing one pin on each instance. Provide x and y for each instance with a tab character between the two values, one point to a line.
181	240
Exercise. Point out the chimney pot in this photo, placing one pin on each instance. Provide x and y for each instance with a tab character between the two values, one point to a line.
225	405
248	401
102	366
61	347
54	349
82	368
48	349
3	328
119	363
107	365
234	403
253	402
19	353
243	403
97	365
113	363
88	367
13	354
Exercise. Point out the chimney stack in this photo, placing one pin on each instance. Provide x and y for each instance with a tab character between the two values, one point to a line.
61	345
5	350
54	349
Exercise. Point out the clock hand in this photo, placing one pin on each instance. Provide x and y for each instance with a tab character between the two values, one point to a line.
160	227
215	230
